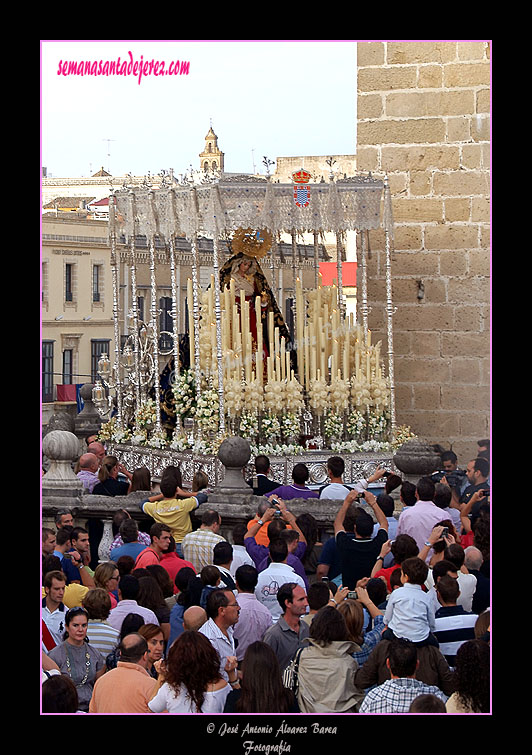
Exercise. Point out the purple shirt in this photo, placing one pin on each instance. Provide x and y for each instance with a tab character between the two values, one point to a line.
253	621
261	554
88	478
287	492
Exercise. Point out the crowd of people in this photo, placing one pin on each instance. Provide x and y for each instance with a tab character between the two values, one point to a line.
388	613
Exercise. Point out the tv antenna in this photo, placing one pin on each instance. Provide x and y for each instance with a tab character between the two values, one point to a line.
108	153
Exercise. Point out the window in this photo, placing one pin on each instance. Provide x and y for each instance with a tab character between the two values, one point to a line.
67	366
69	278
97	271
47	371
166	323
140	308
98	347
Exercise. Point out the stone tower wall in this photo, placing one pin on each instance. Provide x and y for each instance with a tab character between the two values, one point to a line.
424	120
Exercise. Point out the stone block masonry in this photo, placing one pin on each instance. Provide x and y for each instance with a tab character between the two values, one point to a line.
424	121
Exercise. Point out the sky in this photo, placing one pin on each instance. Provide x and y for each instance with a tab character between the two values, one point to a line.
264	98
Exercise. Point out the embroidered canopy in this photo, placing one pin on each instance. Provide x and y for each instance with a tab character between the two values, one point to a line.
233	202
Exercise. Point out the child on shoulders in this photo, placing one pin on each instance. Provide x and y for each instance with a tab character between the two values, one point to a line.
409	612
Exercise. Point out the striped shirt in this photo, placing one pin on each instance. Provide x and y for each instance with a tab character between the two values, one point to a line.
198	547
454	626
102	636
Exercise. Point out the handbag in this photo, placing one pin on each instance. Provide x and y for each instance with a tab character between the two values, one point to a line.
291	673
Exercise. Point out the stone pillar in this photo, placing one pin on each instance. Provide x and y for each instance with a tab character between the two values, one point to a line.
61	447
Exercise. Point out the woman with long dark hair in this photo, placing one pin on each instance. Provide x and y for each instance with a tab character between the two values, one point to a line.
309	527
151	596
261	686
190	678
471	679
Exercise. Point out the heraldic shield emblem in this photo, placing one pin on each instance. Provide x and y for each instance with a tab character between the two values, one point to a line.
301	188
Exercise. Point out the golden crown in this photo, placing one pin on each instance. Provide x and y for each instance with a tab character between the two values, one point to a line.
252	242
301	176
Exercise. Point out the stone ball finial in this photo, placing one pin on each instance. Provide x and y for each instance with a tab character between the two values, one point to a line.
86	391
61	447
234	453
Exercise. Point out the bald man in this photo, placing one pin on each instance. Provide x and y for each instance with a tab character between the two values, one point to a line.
194	618
88	471
98	449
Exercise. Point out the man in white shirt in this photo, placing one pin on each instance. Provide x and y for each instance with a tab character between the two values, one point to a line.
240	554
223	611
466	582
335	490
276	574
53	608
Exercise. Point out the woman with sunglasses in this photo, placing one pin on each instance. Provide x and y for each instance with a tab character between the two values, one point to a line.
76	658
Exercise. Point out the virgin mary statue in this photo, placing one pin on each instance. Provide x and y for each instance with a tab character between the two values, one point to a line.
246	247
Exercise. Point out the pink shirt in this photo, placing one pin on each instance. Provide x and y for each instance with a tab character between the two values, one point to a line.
419	520
253	621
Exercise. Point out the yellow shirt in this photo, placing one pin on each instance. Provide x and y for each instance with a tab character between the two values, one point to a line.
74	594
174	512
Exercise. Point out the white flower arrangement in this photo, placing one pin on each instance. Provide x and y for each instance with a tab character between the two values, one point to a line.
139	437
290	425
379	392
249	424
110	432
157	440
180	443
270	425
377	422
207	409
184	392
121	435
207	447
356	424
254	395
333	425
146	415
352	446
277	449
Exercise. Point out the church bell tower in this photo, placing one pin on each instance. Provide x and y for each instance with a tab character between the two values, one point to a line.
212	158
